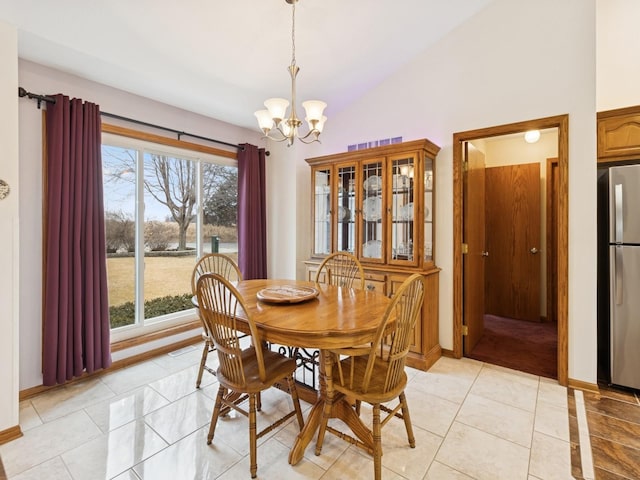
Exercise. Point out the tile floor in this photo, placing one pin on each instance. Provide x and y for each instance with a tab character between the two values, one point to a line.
471	421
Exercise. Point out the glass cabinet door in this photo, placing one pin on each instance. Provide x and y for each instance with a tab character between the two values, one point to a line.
372	226
404	188
346	209
322	211
428	210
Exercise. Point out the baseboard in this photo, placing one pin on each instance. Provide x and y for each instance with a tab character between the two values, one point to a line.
448	353
585	386
10	434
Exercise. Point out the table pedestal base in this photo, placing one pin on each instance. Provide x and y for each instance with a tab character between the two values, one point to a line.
342	410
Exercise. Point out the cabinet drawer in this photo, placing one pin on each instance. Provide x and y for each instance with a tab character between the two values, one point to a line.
375	282
311	274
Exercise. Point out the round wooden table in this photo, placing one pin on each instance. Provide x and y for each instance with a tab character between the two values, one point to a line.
336	318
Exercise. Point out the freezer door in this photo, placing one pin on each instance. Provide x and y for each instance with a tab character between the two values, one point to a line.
624	204
625	315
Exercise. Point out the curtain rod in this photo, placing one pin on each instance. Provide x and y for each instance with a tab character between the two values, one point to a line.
46	98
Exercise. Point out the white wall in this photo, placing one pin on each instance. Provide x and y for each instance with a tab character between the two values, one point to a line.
39	79
10	228
618	44
515	60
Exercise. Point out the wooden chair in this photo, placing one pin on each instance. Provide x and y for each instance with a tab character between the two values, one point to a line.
341	269
242	372
375	374
226	267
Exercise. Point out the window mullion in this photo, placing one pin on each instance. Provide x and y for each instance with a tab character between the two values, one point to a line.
139	313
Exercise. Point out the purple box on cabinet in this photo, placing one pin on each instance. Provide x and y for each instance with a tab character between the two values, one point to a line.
396	140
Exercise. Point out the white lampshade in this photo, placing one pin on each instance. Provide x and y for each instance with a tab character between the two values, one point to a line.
532	136
277	108
314	109
319	125
264	120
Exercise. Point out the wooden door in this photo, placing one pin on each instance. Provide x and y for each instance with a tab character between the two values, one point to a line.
474	238
512	276
552	239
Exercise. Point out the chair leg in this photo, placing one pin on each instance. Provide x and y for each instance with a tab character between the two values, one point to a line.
377	443
407	420
216	413
296	400
203	361
252	436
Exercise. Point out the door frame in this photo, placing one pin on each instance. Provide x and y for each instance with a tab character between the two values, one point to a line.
561	122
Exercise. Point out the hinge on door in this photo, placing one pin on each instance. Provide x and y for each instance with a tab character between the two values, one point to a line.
465	248
465	330
465	166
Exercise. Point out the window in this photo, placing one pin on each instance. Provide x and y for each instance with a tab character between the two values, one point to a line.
164	207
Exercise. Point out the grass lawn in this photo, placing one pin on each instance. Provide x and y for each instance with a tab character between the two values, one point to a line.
162	276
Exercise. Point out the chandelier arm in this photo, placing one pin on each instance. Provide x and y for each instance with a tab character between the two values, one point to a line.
314	139
309	133
274	138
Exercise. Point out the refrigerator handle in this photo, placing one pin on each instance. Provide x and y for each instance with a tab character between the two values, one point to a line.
618	275
617	197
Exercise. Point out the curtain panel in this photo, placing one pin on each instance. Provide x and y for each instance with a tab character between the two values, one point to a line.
252	212
76	312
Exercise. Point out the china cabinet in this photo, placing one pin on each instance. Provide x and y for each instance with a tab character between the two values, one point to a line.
378	204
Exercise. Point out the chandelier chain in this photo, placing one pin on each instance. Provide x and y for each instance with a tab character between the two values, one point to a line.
293	34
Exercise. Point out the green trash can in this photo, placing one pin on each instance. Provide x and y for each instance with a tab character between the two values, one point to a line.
215	244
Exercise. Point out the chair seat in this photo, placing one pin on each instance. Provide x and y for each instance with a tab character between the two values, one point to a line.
277	366
377	391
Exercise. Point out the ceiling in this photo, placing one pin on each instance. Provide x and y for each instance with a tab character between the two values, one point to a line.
223	59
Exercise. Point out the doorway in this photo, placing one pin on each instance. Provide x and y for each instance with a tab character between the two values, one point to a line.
466	181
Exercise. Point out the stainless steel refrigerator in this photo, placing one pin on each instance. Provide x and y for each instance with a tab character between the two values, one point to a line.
624	274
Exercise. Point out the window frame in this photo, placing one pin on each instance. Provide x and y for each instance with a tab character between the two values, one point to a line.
117	136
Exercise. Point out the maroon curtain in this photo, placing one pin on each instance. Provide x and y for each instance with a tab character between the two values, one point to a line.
76	315
252	213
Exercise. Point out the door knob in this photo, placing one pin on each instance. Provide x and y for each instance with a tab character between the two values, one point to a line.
485	254
534	250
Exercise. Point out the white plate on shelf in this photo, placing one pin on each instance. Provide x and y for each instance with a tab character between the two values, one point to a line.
372	209
406	212
343	213
373	184
400	182
372	249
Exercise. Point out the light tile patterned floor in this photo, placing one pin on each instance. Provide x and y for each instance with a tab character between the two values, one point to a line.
471	421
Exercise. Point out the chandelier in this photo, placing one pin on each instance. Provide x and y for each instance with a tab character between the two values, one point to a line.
287	127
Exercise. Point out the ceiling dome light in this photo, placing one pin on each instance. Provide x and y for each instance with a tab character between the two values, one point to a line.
532	136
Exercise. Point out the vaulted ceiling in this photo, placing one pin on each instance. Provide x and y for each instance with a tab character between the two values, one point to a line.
223	59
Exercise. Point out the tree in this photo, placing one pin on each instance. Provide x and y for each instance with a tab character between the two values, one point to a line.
119	231
172	182
220	195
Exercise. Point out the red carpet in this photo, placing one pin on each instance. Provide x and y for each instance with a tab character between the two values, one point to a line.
526	346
